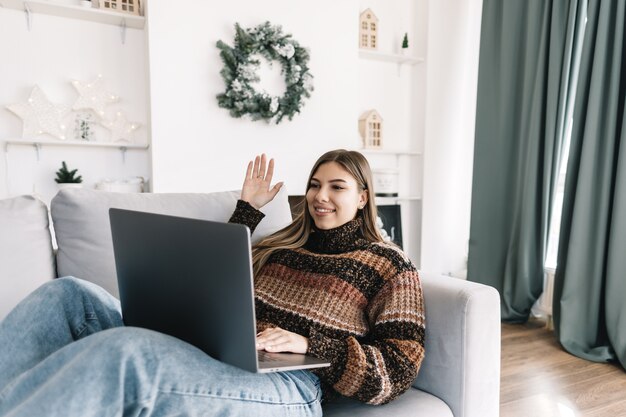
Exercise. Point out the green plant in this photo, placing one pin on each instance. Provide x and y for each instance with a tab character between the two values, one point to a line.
405	41
66	176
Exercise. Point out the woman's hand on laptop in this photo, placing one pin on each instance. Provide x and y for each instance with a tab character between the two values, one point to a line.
276	339
256	186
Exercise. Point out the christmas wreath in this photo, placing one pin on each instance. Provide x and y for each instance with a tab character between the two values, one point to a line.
240	73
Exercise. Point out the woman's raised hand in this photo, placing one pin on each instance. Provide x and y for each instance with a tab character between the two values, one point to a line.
256	186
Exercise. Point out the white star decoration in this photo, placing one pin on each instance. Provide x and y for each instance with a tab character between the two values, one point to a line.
93	96
40	116
121	129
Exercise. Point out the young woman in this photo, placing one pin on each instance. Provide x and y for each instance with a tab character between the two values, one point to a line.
326	285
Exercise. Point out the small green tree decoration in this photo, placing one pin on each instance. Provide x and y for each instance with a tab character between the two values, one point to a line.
405	41
66	176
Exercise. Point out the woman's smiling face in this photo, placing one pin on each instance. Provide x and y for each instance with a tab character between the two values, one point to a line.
333	197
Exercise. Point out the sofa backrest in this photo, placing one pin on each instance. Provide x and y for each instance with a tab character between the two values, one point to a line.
26	255
83	234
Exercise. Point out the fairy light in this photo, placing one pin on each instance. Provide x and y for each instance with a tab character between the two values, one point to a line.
93	95
121	129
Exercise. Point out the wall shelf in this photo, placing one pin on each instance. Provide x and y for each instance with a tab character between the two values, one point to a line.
396	58
389	152
75	143
76	12
395	200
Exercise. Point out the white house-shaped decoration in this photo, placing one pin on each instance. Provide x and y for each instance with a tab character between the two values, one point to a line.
123	6
368	30
371	129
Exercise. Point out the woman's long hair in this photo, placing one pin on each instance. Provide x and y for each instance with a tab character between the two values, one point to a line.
297	233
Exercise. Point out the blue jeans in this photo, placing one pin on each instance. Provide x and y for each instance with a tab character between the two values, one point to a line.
65	352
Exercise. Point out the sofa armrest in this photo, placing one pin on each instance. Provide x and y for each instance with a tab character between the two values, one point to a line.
462	362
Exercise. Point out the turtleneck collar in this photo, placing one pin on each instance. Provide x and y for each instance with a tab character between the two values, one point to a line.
345	238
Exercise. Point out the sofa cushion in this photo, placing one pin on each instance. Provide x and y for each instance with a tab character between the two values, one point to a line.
25	249
413	403
83	234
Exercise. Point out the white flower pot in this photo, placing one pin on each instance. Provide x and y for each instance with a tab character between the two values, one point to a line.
131	185
65	185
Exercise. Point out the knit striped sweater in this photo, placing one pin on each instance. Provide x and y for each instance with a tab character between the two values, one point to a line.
359	303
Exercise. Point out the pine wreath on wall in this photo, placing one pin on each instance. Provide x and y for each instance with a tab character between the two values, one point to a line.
241	67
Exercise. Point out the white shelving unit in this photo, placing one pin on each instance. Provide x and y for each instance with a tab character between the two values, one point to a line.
398	154
76	12
395	200
28	161
407	160
39	143
389	152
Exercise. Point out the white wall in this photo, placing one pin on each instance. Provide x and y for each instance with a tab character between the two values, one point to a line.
54	52
398	93
453	45
197	146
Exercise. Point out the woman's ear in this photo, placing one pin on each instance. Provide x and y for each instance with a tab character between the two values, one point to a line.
363	199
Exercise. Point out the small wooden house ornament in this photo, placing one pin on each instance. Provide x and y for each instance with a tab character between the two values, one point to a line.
123	6
368	30
371	129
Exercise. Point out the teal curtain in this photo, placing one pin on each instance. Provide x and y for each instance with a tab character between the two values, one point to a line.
524	96
590	284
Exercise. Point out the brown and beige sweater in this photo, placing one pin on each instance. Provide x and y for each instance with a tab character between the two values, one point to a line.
359	303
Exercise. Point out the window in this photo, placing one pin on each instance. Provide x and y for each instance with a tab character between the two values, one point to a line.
557	205
374	134
130	6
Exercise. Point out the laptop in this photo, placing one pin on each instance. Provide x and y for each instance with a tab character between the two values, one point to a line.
192	279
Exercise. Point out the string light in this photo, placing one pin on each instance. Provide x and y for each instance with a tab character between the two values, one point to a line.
93	96
121	129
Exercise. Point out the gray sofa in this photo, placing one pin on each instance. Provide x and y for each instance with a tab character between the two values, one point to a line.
459	377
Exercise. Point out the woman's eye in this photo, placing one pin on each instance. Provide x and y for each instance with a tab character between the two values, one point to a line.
312	185
337	187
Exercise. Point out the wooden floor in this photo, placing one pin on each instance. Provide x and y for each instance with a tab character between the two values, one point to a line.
539	379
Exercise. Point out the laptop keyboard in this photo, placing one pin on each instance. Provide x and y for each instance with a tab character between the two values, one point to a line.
267	357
